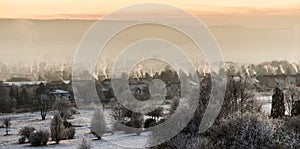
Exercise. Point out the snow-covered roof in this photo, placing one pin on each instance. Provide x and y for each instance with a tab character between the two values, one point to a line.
66	81
25	83
58	91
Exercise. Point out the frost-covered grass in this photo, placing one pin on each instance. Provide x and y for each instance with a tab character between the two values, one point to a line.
82	125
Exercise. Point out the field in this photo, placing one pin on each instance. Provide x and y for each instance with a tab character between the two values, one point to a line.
82	123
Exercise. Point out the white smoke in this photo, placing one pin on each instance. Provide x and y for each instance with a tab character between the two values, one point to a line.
138	71
295	67
281	69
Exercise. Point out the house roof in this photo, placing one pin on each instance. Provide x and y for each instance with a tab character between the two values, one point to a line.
58	91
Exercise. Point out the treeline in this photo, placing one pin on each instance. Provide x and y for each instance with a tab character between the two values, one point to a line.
26	98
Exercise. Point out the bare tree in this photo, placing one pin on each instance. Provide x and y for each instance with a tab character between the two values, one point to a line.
238	92
7	124
46	105
291	94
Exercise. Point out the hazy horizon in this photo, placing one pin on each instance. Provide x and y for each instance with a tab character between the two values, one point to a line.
57	40
247	31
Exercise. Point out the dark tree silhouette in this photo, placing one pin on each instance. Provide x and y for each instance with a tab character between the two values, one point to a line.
7	104
7	124
277	109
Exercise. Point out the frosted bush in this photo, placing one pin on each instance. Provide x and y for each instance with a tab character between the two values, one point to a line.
85	144
98	125
26	131
243	131
39	138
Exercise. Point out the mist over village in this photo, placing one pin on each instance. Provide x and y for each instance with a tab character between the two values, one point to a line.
152	85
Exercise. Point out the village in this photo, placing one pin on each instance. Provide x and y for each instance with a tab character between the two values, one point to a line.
33	105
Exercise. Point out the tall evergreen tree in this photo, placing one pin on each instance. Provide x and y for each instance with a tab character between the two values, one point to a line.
277	109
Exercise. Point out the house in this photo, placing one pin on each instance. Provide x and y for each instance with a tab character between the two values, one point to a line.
57	94
281	81
61	84
136	86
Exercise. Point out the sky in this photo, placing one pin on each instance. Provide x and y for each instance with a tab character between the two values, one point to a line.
247	30
89	9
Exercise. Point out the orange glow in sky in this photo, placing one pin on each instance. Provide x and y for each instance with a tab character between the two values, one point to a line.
89	9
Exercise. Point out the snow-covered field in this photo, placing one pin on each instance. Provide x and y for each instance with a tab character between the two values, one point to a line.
266	100
82	121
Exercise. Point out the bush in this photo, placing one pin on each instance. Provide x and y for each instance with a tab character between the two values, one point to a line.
243	131
22	140
287	133
39	138
292	124
149	123
64	108
85	144
44	134
26	131
119	112
56	127
68	133
137	121
35	139
98	126
187	138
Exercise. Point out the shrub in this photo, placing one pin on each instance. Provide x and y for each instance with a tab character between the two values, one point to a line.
64	108
174	105
98	126
119	112
68	133
85	144
137	121
22	140
39	138
35	139
243	131
44	134
287	133
26	131
292	124
149	123
187	138
56	127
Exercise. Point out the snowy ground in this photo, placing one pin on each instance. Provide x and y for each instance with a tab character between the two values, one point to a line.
266	100
81	120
